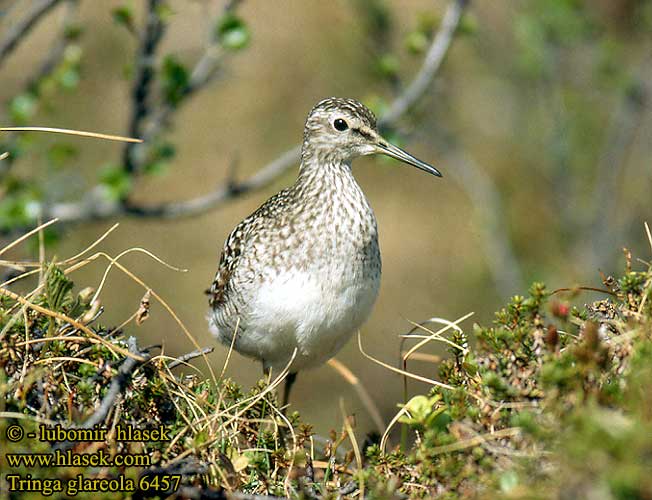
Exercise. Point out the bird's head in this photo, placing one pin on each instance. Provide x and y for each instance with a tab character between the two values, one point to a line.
340	130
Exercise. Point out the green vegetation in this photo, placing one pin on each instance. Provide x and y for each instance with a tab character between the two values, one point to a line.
553	399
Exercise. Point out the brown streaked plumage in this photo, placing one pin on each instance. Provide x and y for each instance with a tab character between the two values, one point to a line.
303	271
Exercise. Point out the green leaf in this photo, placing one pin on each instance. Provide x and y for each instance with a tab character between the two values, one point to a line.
388	65
86	371
73	55
124	16
166	151
69	79
200	438
232	32
73	31
156	168
424	411
164	12
17	210
22	108
61	153
416	42
58	289
116	181
376	104
439	419
427	22
468	25
175	78
159	162
508	481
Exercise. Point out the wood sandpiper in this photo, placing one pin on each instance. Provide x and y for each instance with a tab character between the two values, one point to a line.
303	271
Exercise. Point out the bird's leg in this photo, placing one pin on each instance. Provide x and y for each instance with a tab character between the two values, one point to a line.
267	375
267	372
289	382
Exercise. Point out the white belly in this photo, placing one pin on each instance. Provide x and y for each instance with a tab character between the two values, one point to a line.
298	310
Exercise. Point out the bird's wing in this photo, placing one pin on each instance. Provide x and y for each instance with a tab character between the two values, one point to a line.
228	263
236	244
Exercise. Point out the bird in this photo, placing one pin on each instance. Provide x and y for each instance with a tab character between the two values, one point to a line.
300	274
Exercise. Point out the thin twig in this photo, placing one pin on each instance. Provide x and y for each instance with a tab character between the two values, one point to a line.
577	289
25	236
118	385
356	449
63	317
201	493
50	62
191	355
403	372
203	73
68	131
475	441
58	48
348	488
431	64
94	205
21	28
363	394
227	191
145	61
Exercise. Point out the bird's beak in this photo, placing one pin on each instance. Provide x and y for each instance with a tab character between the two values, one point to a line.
388	149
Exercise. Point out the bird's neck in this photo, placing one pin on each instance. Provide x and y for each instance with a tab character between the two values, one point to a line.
331	187
328	190
324	172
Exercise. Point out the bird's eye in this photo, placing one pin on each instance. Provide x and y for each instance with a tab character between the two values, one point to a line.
340	125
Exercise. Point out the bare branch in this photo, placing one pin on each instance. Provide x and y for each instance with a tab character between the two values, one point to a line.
431	64
21	28
226	192
150	122
202	74
95	206
190	356
118	385
145	61
47	65
58	48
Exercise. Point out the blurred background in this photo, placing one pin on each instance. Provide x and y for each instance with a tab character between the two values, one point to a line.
539	119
